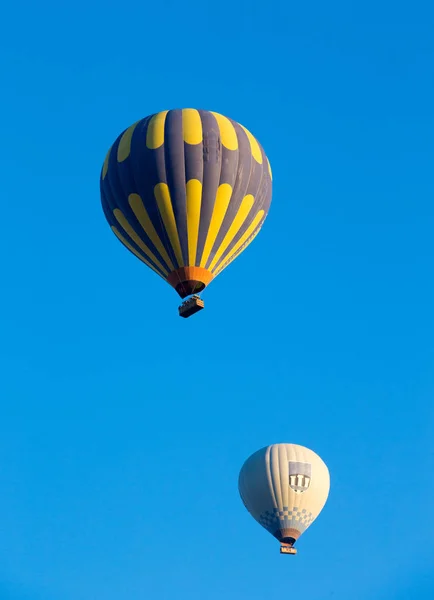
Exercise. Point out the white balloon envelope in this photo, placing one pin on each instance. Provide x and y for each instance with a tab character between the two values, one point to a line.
284	487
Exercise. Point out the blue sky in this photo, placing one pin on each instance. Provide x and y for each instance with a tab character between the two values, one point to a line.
115	482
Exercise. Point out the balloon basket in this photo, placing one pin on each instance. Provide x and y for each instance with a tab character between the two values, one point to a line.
286	549
190	307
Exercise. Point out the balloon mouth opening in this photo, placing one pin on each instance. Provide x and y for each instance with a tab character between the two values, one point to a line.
186	288
288	535
189	280
288	540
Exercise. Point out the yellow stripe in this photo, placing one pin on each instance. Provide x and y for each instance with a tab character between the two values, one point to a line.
223	197
251	228
191	126
194	201
134	251
142	216
120	218
162	195
228	262
237	223
106	162
124	147
269	169
155	132
254	147
228	135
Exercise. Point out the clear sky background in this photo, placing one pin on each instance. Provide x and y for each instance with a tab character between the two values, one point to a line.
123	427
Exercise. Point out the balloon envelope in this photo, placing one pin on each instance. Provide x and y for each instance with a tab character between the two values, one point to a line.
284	487
186	191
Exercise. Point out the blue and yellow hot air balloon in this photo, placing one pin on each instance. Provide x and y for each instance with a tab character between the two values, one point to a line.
284	487
186	191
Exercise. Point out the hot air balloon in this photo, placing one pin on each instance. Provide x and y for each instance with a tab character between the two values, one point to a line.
284	487
186	191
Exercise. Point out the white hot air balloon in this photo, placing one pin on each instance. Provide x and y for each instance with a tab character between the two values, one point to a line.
284	487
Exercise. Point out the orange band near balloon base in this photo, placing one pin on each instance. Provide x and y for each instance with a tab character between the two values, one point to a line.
287	538
289	535
189	280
